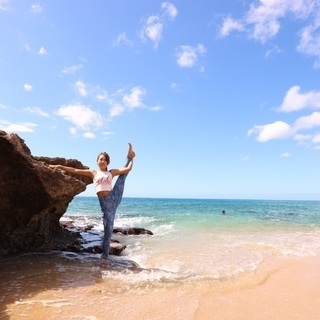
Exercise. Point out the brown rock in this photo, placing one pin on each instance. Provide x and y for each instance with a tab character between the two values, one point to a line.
33	198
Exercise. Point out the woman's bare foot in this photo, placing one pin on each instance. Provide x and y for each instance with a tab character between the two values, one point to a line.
131	153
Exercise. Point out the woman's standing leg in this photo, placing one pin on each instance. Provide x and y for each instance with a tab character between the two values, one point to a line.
109	205
108	208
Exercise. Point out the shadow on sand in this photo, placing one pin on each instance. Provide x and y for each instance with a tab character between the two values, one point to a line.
23	276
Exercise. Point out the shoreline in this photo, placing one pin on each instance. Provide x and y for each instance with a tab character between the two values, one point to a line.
284	289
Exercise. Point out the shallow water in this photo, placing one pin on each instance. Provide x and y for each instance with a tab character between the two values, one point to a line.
194	247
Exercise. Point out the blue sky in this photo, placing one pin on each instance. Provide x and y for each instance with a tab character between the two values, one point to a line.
221	99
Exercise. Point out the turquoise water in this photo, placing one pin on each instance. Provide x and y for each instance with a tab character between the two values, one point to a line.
192	238
203	213
192	244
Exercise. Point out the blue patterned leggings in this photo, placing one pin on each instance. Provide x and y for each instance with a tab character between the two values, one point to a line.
109	205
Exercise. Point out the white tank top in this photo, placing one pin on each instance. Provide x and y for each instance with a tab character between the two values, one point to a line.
102	181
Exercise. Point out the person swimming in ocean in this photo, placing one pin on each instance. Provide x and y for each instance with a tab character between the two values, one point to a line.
109	197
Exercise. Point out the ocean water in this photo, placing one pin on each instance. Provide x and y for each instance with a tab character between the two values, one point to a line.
193	239
193	246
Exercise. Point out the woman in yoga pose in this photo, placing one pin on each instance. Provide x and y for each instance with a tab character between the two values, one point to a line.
109	197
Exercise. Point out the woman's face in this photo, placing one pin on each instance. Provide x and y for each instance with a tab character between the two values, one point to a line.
102	162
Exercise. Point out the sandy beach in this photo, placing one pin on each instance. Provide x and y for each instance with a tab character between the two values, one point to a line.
285	289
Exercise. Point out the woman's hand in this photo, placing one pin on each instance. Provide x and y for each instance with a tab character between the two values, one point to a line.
54	166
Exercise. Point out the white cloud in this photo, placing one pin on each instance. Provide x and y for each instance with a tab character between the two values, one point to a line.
134	98
36	8
153	29
37	110
121	101
295	101
173	85
72	69
301	138
4	5
27	47
116	110
81	88
153	25
282	130
89	135
42	51
81	116
27	87
73	131
309	41
16	127
108	133
229	25
3	106
156	108
263	19
286	155
316	138
187	56
307	122
169	9
122	39
272	131
102	95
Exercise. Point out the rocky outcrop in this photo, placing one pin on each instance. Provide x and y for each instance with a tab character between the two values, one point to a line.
33	198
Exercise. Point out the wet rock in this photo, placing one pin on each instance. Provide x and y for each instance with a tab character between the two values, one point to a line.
132	231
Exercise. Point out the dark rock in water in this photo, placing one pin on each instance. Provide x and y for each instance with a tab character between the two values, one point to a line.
33	198
115	263
132	230
116	248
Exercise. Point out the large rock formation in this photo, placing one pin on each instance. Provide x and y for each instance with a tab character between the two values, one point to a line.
33	198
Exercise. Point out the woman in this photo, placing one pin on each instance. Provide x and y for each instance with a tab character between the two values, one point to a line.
109	197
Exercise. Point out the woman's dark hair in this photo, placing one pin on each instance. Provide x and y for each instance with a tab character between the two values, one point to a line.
105	155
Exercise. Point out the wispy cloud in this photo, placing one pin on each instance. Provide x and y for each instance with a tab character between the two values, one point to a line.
263	21
122	39
81	88
36	8
4	5
286	155
17	127
153	25
229	25
72	69
36	110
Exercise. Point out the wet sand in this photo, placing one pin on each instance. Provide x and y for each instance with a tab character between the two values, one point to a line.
285	289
